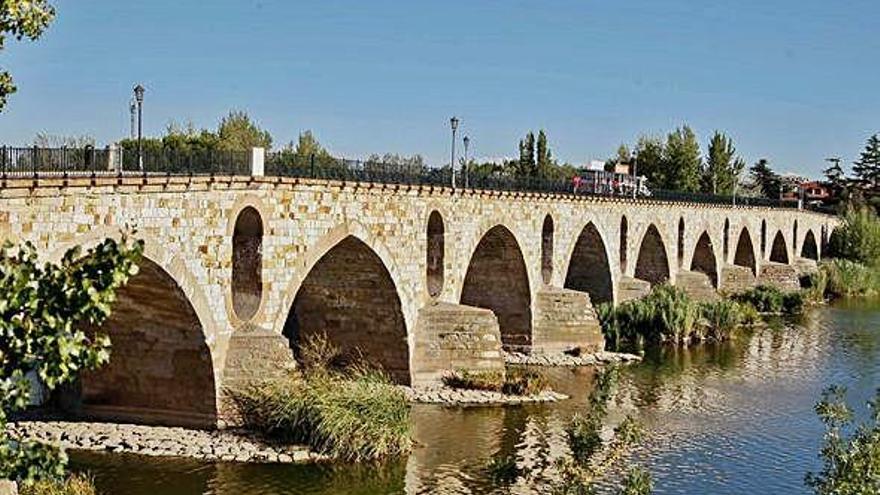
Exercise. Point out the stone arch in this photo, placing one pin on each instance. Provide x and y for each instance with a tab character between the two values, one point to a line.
779	251
247	263
547	249
350	296
726	250
497	279
652	264
763	239
704	260
435	254
624	233
745	252
794	237
160	369
680	244
810	249
589	269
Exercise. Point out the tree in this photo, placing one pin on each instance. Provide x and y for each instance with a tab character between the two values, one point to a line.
765	179
722	166
237	132
867	167
544	161
46	140
623	154
649	160
43	309
682	161
526	165
21	19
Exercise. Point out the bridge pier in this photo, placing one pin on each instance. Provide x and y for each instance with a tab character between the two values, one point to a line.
697	285
780	275
451	337
632	288
565	320
735	278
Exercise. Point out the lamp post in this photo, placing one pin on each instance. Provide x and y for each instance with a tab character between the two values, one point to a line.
139	96
467	141
635	163
132	110
453	122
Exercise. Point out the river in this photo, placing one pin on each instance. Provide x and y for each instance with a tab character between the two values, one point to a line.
732	418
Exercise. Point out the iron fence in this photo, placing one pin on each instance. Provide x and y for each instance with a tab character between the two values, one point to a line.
18	162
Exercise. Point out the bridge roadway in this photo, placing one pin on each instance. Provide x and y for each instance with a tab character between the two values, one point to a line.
421	279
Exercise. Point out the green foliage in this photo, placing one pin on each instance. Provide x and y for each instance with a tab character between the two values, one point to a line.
815	285
21	19
238	132
847	278
516	381
42	311
867	167
764	298
722	166
858	237
851	462
682	161
583	430
667	314
767	181
76	484
638	481
353	414
721	318
649	155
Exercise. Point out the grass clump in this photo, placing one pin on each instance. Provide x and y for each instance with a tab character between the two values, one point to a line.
355	414
638	481
516	381
75	484
846	278
667	314
721	318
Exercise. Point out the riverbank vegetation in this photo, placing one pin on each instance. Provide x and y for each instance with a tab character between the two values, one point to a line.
850	453
43	308
854	248
75	484
515	381
353	414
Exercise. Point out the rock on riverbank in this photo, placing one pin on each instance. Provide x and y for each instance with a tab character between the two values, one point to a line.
235	446
440	394
597	359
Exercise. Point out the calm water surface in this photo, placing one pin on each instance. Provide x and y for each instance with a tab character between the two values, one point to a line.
735	418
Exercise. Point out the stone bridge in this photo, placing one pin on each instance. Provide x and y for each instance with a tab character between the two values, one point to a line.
238	271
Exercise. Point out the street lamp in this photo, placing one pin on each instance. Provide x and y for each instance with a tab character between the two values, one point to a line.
453	122
467	141
139	96
635	164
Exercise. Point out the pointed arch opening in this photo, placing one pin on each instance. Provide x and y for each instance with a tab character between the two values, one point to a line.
794	237
763	239
779	251
680	245
247	263
547	249
745	252
349	297
624	233
810	249
435	253
497	279
704	259
589	269
652	264
160	369
726	250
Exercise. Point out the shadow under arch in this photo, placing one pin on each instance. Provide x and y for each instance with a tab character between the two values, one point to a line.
652	264
497	279
704	258
349	296
810	249
160	369
745	252
589	269
779	251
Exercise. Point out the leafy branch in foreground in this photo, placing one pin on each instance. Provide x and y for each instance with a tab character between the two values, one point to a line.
851	464
43	310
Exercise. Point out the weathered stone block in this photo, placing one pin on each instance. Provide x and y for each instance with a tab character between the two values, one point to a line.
565	320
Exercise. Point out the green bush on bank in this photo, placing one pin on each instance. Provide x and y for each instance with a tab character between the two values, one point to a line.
857	238
769	299
846	278
355	414
516	381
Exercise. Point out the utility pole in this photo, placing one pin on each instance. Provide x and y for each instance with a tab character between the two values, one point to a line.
132	110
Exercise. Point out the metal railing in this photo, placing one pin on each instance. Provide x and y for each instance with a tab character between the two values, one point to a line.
36	162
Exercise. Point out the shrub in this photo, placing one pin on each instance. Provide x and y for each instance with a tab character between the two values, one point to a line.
847	278
793	302
850	454
667	314
721	317
583	433
517	381
764	298
815	285
638	481
76	484
858	237
353	416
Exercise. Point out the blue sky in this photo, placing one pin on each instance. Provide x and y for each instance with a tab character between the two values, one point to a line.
791	80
